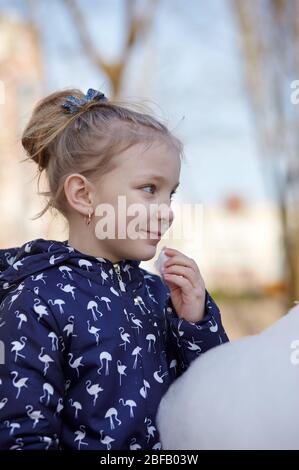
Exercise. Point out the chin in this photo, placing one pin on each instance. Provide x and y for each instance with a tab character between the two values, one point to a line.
146	253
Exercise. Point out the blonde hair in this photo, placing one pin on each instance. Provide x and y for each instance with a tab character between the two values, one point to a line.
85	141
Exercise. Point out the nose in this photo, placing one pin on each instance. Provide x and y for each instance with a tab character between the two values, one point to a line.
165	217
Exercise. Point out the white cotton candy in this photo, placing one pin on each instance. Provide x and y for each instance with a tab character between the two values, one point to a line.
159	263
240	395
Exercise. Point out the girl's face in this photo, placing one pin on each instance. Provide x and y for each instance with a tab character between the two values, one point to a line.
146	179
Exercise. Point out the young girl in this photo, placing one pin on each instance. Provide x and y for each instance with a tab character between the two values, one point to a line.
91	340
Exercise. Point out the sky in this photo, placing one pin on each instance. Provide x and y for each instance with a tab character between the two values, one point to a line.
189	70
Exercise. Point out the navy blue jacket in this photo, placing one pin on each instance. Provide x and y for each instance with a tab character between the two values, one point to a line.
90	349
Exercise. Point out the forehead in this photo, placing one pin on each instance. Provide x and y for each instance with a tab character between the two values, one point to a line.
159	160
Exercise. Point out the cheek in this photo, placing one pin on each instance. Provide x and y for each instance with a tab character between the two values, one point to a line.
140	199
106	195
138	211
139	214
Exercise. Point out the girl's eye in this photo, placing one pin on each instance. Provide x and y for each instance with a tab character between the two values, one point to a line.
153	187
149	186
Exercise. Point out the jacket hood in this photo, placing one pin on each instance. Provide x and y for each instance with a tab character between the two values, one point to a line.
39	255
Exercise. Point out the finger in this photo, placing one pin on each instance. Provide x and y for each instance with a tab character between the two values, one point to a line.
178	257
181	260
172	251
187	272
179	281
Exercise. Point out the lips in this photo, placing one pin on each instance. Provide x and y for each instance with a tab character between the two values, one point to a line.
156	234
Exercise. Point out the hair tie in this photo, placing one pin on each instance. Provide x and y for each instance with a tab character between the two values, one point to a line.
73	104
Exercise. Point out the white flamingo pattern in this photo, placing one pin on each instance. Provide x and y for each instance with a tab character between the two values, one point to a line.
91	352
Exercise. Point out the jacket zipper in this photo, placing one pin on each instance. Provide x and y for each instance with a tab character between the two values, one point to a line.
120	281
137	300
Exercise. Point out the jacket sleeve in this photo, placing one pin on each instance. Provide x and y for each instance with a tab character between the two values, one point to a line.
32	383
192	339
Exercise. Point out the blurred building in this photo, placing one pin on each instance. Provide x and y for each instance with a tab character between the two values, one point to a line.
21	78
237	247
244	250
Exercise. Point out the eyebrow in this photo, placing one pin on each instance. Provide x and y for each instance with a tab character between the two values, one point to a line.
157	178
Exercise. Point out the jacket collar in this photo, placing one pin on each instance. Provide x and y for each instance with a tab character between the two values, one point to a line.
40	255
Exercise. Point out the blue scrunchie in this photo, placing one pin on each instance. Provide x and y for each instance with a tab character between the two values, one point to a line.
73	104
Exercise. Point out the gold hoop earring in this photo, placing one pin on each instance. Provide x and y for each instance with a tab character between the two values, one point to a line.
88	218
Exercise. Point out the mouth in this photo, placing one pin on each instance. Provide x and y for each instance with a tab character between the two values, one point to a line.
156	235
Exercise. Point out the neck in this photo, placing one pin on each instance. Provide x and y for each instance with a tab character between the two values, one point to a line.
85	241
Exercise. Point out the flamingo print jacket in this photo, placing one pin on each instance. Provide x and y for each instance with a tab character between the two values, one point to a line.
88	349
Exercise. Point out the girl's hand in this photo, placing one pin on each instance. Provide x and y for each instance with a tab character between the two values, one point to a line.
187	288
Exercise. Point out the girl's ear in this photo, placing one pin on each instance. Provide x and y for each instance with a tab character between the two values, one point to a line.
79	193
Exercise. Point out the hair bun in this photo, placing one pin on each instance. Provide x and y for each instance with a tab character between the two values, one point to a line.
36	150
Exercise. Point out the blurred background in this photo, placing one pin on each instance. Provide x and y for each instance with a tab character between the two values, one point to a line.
221	74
